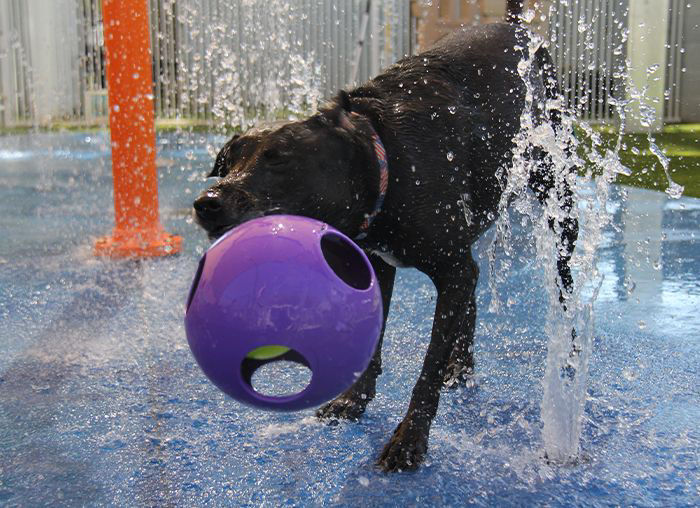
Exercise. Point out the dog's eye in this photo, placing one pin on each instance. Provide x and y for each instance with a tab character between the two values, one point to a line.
274	157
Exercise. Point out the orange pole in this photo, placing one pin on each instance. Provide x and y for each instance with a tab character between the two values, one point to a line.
138	232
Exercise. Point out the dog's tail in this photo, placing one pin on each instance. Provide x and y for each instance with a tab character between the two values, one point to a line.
514	10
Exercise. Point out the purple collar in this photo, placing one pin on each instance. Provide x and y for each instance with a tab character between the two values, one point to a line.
380	153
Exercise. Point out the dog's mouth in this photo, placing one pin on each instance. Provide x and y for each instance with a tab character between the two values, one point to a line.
221	230
214	234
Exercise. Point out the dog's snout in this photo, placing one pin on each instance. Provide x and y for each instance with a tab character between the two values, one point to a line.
210	210
208	205
220	208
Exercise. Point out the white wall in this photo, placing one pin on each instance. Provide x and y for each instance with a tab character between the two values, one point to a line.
690	79
646	50
54	57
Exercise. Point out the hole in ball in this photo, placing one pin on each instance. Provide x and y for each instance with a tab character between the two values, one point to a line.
276	371
346	261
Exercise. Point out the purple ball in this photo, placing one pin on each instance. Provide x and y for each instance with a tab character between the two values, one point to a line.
290	282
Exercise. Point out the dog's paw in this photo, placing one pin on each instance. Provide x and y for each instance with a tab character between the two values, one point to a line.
406	449
456	375
344	407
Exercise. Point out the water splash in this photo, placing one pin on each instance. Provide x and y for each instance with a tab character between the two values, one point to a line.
254	78
673	190
568	326
647	119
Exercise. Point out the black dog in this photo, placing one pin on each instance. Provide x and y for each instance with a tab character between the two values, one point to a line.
446	120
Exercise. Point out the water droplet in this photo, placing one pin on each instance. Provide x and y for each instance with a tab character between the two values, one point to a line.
629	374
452	109
642	324
450	156
674	190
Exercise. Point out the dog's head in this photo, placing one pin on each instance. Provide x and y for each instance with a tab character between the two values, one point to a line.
323	167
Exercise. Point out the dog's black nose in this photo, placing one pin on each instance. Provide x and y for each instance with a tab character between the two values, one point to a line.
208	205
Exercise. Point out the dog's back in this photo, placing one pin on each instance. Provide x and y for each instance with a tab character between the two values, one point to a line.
448	118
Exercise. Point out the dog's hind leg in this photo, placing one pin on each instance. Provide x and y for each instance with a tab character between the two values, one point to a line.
351	404
565	226
564	223
409	443
543	181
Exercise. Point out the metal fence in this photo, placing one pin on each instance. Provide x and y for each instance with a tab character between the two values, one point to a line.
92	102
15	76
291	53
218	60
589	52
675	60
233	61
589	49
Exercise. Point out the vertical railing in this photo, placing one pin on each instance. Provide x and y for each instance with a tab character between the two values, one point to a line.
16	83
675	61
91	70
217	60
589	52
210	55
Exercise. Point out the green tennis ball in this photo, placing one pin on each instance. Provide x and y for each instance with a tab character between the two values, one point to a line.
267	352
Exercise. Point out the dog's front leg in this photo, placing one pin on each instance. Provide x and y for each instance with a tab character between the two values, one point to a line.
455	301
461	364
351	404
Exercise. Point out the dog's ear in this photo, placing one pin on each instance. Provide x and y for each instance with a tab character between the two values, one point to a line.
222	159
343	101
338	114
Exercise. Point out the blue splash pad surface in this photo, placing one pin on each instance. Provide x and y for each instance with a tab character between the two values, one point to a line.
101	402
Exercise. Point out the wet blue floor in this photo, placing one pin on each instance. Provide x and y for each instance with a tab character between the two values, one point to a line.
101	402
